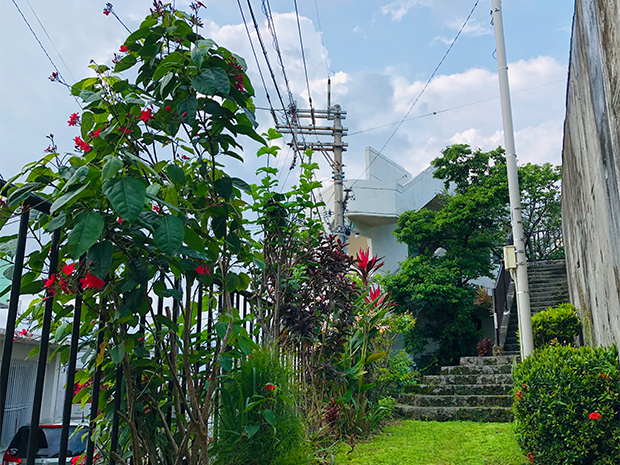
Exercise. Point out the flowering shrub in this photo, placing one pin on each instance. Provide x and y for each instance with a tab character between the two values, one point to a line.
567	406
143	211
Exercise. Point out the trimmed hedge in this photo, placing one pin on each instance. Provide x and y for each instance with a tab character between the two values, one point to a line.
567	406
561	323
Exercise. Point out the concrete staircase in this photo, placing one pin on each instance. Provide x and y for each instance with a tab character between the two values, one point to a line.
548	288
476	390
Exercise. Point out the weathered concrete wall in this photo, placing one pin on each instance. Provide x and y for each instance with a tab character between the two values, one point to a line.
591	169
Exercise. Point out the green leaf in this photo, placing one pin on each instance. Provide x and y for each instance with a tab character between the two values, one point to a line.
88	121
375	357
233	241
346	397
117	353
88	227
57	222
241	184
127	196
219	226
259	263
99	259
125	63
220	328
175	174
231	281
250	429
211	82
9	247
226	362
35	351
174	293
223	187
270	416
169	233
66	199
111	166
187	110
193	240
286	399
60	331
22	193
167	322
78	176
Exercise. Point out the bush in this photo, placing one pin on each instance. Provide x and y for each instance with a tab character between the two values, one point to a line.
258	422
400	373
567	405
485	347
561	323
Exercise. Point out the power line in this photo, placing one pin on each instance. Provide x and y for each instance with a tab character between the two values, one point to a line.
433	113
423	89
262	78
303	57
318	19
51	41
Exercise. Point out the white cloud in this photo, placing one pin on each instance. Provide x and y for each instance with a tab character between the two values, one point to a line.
441	39
357	29
471	29
399	8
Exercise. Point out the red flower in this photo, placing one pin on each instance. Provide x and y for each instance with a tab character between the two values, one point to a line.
68	269
374	296
140	339
80	144
202	270
123	48
54	77
50	282
74	119
124	130
184	157
269	387
95	134
63	285
168	108
530	457
119	220
604	377
595	416
146	115
519	395
92	282
156	208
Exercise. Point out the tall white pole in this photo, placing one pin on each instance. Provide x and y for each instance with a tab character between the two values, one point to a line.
522	286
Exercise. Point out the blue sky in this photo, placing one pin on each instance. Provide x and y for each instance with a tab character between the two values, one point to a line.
380	54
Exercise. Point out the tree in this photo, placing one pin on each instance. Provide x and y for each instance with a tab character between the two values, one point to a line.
143	211
462	242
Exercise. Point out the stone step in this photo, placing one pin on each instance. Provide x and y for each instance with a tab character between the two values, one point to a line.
480	414
477	370
495	360
455	400
460	389
468	379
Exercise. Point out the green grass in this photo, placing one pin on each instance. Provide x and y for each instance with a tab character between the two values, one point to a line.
433	443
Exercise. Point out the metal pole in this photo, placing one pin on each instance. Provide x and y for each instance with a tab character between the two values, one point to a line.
33	438
94	406
523	293
338	177
7	352
66	412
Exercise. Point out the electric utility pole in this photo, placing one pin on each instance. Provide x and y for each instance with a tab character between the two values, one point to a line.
521	282
335	114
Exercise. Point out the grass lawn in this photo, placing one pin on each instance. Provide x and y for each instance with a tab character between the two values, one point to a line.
433	443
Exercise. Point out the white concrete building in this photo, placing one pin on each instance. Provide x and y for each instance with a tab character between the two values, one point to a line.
387	191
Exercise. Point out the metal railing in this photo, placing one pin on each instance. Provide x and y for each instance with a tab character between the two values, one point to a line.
240	300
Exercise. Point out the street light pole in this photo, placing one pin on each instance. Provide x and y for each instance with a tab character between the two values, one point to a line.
521	284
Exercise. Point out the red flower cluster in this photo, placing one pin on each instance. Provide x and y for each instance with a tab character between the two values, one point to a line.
81	145
156	208
124	130
239	79
68	269
146	115
604	377
74	119
530	457
108	9
270	387
168	108
123	48
595	416
92	282
119	220
202	270
519	395
95	134
54	77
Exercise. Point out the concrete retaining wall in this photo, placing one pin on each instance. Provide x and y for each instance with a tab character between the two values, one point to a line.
591	170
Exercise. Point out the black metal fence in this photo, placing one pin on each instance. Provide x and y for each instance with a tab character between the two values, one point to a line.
240	300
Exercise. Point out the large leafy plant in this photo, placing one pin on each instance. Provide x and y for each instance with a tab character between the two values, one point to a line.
148	221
